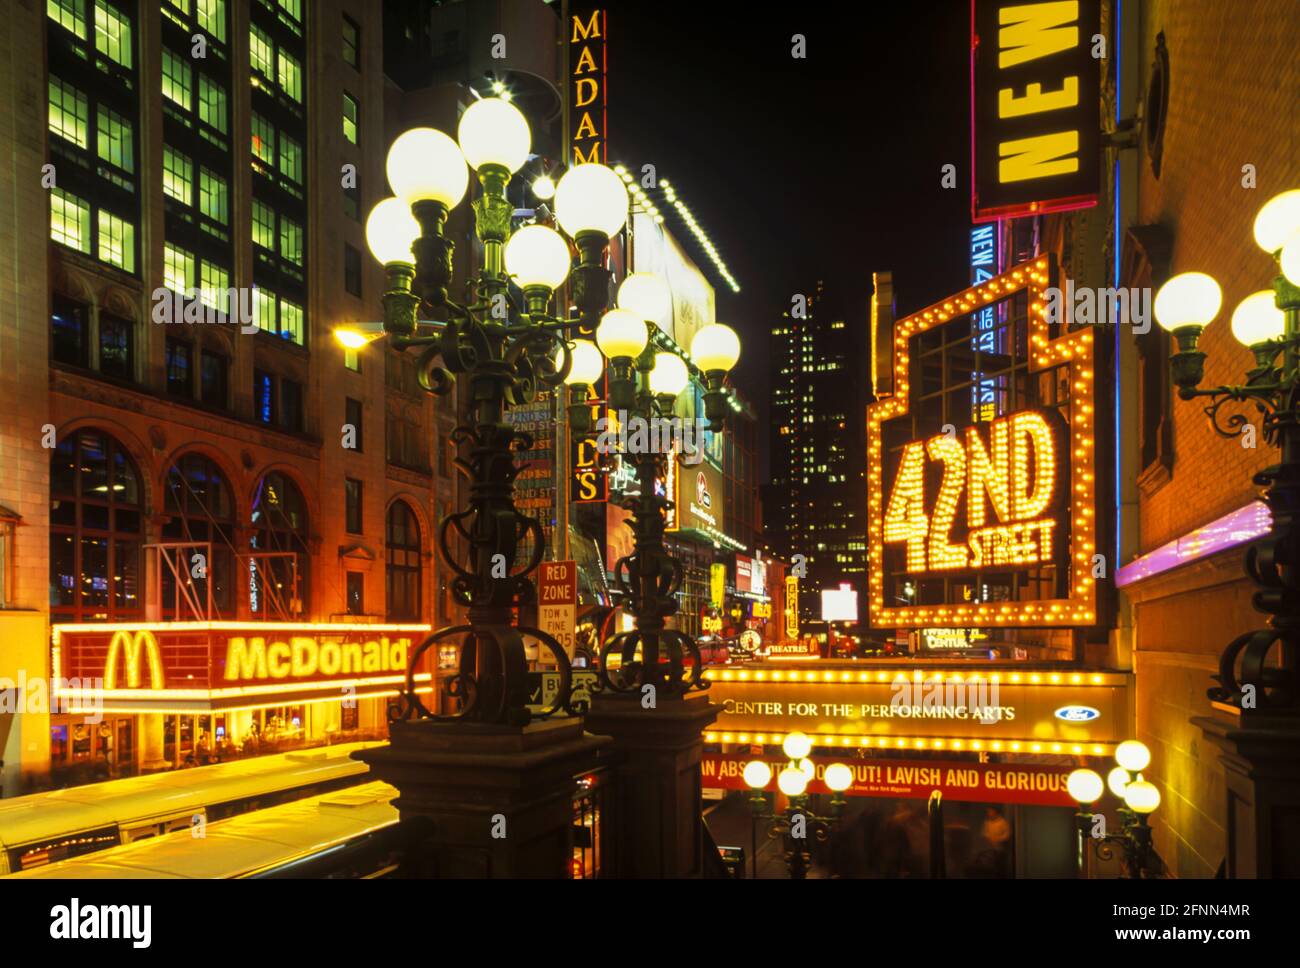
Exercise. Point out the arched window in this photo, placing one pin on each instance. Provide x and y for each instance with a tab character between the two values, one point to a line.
200	508
96	531
279	525
404	563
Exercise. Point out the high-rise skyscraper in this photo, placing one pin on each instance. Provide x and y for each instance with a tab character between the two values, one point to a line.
815	504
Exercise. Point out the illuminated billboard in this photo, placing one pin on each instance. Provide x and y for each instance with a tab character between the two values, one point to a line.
1035	107
985	516
839	604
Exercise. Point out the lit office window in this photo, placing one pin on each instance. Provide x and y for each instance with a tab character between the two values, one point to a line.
112	33
176	78
264	309
214	196
212	18
178	176
293	8
263	140
69	220
350	120
214	287
116	241
178	268
289	75
290	241
69	113
351	43
69	14
290	158
291	321
212	103
261	51
263	225
114	139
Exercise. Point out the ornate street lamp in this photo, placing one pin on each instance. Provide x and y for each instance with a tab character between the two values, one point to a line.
646	375
507	352
1140	799
1268	322
797	821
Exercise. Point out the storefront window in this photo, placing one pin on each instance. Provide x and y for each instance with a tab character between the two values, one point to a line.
95	530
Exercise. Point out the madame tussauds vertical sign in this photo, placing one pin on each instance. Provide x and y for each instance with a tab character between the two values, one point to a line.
587	120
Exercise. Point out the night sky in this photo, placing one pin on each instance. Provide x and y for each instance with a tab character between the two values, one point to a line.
827	167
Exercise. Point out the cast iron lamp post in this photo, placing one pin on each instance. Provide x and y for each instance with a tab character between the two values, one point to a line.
1268	322
797	822
646	374
506	351
1140	799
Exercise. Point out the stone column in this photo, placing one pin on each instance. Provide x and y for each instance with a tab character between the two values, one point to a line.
1261	762
500	798
150	743
654	820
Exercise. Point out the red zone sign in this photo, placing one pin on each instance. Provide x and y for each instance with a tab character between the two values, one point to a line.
1042	786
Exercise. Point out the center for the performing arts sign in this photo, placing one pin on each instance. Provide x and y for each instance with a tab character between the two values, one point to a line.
220	665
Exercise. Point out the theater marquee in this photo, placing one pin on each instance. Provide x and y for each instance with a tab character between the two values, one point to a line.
211	666
981	468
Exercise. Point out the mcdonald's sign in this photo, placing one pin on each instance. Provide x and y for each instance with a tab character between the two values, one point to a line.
130	644
193	667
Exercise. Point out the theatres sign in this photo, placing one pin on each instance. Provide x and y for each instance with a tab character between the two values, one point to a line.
1035	125
197	666
913	780
987	516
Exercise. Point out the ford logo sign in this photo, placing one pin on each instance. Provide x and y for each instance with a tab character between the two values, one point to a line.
1077	714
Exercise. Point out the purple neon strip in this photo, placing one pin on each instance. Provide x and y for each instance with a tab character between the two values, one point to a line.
1233	529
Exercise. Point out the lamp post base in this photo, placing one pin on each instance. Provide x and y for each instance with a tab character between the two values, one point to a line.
657	820
1261	760
500	798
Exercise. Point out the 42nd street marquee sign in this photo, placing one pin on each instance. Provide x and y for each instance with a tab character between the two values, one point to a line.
981	483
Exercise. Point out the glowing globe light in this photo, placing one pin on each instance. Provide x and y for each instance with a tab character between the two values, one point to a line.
715	348
1188	299
670	375
591	198
1278	220
426	165
544	187
537	255
797	746
792	782
646	295
585	363
1257	319
1290	259
1133	755
757	774
1141	796
621	334
493	131
838	777
391	230
1085	786
1117	780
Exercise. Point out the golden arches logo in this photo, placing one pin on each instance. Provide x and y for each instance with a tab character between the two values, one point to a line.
132	643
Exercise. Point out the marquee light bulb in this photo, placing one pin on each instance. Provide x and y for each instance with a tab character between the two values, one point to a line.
391	230
1188	299
1257	319
426	165
492	131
